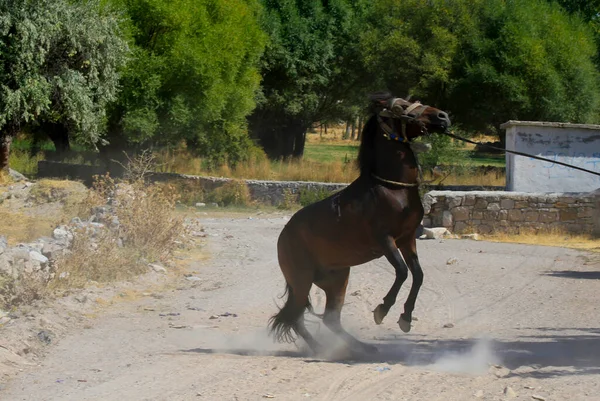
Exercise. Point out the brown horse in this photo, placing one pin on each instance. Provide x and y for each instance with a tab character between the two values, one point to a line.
376	215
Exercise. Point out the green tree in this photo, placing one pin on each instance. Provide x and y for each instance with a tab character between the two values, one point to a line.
193	77
410	45
59	64
485	61
530	61
311	70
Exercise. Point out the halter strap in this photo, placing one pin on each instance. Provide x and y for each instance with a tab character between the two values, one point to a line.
400	184
389	132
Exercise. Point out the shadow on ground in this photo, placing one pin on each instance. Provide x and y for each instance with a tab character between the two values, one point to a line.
541	356
591	275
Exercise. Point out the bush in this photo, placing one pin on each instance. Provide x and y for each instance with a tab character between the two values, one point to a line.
232	193
307	196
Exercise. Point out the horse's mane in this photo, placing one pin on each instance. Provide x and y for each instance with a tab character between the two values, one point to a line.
366	152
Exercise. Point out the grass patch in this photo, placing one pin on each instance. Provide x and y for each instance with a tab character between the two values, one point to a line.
309	196
232	193
102	262
65	191
331	152
24	163
551	237
19	227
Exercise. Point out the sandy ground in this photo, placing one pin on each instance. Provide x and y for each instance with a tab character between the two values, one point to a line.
524	317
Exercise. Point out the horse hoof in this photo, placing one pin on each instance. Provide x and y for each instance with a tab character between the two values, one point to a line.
404	325
379	313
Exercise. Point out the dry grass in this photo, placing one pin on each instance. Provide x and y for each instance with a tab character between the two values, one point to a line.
65	191
490	179
5	179
22	290
148	222
103	262
552	237
259	168
19	227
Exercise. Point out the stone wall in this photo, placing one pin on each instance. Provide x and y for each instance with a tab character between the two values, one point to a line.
268	192
487	212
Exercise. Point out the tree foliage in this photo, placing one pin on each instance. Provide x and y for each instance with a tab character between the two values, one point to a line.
193	77
311	69
531	61
59	63
486	61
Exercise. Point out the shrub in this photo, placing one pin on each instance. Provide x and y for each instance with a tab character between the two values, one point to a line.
307	196
232	193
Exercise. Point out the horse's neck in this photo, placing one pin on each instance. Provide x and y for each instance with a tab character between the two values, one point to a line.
395	167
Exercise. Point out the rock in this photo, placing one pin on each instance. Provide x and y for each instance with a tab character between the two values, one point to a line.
60	234
435	232
38	257
16	176
447	219
538	397
193	278
3	244
20	253
470	236
500	371
157	268
214	204
52	250
509	392
452	261
45	337
76	221
448	325
478	394
200	204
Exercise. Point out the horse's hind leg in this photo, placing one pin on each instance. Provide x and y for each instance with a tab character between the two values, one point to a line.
409	251
393	256
299	278
334	284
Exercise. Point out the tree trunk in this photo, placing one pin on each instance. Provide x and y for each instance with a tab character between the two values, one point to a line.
360	128
299	142
347	131
325	125
353	134
5	142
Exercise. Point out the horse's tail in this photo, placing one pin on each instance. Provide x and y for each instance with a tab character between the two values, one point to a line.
284	323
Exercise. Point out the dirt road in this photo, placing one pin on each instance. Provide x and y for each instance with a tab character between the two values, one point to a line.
523	317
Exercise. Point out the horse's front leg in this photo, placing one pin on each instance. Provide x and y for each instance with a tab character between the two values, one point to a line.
393	256
409	251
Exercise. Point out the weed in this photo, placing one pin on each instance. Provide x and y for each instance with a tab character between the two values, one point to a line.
24	289
307	196
23	162
290	200
95	259
232	193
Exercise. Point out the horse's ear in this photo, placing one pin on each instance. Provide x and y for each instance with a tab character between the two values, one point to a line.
380	98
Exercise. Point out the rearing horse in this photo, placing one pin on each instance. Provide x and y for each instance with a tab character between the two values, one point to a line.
376	215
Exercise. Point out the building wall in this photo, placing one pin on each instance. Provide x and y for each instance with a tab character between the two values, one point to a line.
576	144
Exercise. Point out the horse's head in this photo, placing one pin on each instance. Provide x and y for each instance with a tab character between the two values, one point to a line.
403	121
387	136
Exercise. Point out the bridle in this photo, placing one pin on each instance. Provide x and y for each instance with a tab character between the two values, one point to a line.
406	116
